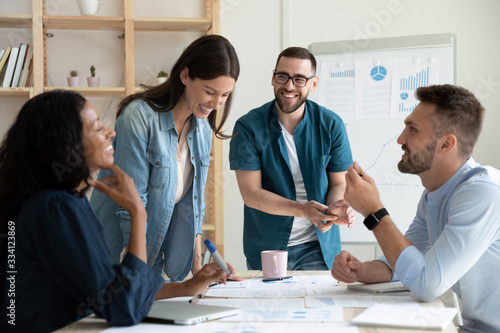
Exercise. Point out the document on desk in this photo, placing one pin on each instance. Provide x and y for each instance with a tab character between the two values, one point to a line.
231	284
422	317
249	326
330	314
340	295
256	293
264	304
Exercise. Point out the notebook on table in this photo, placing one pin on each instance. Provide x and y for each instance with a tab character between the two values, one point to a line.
186	313
378	288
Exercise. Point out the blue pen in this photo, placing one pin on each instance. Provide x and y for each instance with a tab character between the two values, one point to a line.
213	250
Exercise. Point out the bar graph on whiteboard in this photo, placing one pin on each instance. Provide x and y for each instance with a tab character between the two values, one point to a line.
408	75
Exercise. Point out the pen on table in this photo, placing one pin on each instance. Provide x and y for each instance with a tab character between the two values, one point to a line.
277	278
195	298
213	250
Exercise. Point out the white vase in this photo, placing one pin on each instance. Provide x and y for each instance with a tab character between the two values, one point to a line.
161	80
88	7
93	81
73	81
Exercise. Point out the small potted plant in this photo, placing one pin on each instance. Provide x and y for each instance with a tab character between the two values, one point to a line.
73	79
161	77
93	81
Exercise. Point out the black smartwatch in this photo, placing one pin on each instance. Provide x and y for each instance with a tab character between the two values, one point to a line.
373	219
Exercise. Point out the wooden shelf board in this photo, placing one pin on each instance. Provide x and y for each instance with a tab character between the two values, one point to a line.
15	92
15	21
84	22
93	92
171	24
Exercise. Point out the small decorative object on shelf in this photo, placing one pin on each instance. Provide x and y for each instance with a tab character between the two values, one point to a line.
161	77
73	79
92	80
88	7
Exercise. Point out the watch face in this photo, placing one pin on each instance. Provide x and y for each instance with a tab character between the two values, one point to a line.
373	219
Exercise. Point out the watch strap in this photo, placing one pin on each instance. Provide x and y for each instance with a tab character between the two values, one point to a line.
372	220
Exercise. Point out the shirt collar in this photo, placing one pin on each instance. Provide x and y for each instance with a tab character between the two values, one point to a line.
167	121
446	187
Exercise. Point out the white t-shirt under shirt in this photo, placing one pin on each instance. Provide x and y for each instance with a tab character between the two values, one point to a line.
184	167
303	230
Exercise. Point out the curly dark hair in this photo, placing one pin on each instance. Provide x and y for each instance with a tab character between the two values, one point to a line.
207	58
42	149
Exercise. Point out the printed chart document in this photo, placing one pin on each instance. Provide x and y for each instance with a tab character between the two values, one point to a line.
263	304
336	89
408	75
372	86
420	317
220	326
304	315
339	295
255	293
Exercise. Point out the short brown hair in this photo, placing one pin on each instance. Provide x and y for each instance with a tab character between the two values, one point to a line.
457	112
299	53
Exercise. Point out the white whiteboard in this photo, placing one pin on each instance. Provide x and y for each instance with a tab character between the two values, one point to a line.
373	141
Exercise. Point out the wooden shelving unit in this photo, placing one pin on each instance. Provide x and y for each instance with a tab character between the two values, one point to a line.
39	23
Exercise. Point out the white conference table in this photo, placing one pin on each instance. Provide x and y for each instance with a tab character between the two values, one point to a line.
92	324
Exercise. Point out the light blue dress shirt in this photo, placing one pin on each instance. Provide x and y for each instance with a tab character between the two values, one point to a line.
145	148
456	244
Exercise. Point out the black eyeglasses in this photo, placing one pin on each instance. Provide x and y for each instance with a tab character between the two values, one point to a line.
298	81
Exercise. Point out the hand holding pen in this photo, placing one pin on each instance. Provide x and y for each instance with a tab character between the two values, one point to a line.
213	250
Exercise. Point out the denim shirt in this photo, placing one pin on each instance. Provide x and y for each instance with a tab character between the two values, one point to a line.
322	147
145	148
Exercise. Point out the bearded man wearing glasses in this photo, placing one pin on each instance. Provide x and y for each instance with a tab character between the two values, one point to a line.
290	157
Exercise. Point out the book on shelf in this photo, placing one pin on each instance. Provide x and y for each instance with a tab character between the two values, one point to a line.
378	288
26	67
3	61
19	65
29	79
10	66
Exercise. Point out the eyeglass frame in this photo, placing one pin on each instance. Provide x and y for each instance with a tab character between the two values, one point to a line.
292	78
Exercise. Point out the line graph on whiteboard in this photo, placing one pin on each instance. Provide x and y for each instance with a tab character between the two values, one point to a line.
378	152
374	146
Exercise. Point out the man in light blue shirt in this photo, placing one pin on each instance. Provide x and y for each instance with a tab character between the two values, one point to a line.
454	240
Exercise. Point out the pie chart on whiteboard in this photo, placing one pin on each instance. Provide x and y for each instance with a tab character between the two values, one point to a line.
378	73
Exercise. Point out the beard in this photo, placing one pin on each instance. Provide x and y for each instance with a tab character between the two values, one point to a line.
419	162
287	108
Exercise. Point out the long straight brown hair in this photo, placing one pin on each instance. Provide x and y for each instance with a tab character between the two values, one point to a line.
207	58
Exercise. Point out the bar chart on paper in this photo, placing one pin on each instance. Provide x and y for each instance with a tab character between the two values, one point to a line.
409	75
412	82
342	73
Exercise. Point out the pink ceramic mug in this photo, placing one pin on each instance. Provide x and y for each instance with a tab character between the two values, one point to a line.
274	263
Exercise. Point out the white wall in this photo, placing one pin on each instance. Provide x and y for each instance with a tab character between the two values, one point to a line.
255	29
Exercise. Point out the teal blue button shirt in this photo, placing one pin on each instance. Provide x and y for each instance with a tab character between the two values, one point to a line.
322	146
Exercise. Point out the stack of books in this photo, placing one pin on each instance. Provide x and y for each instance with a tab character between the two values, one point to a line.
16	66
